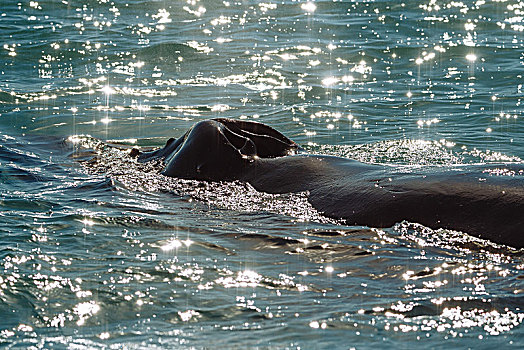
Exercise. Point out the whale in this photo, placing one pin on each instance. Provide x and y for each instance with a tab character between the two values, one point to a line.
482	200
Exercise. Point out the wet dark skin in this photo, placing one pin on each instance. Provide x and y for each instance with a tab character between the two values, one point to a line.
468	198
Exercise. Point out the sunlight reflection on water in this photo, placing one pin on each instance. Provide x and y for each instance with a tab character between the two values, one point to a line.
113	254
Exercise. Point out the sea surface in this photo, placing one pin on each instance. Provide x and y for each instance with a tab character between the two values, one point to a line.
99	252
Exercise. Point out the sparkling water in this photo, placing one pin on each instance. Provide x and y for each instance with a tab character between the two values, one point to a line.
100	252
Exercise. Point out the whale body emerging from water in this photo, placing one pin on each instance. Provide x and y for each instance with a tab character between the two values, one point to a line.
475	199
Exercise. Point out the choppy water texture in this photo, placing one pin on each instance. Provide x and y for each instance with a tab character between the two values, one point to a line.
107	253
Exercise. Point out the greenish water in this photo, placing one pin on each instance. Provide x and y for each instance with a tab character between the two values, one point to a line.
117	256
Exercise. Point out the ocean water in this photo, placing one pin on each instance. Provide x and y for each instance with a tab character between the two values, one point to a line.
100	252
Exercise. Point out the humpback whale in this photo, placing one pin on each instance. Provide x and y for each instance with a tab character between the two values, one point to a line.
475	199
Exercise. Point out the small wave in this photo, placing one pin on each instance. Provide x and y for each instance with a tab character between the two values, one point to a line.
6	97
401	152
165	52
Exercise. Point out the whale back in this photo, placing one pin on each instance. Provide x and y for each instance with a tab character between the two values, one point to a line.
473	199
